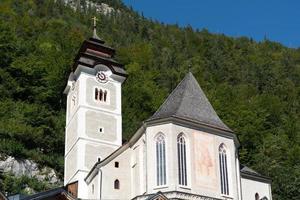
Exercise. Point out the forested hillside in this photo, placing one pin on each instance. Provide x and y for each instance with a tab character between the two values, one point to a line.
253	86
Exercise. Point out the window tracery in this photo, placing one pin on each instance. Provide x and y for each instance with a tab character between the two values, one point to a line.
181	152
223	170
160	160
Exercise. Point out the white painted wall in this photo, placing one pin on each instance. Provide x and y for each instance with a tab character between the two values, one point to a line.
209	187
251	187
137	168
84	143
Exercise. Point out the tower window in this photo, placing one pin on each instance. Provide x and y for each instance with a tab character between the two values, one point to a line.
223	170
181	149
160	160
256	196
105	95
117	184
116	164
101	130
101	95
96	94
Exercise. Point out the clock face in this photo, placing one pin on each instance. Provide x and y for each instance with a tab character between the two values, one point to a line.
101	77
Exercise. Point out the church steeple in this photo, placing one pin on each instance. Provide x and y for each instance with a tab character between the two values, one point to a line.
94	117
94	52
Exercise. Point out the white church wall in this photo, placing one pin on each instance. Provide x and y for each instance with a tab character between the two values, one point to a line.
130	173
71	133
110	174
71	157
138	166
203	176
151	133
102	126
72	100
93	152
94	188
113	104
251	187
233	176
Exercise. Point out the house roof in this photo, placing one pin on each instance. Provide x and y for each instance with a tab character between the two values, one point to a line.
248	170
56	193
249	173
188	101
2	196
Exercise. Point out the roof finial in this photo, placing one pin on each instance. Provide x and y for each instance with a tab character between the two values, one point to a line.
94	28
190	67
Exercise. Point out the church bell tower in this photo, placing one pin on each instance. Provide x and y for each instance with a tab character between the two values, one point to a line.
93	118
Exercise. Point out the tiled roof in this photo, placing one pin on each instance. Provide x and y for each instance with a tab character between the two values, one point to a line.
188	101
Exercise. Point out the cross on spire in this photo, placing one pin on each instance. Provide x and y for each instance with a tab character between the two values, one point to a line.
94	27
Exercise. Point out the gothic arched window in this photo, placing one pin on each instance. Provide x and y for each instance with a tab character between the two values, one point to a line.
223	170
117	184
105	95
181	149
256	196
96	94
100	95
160	160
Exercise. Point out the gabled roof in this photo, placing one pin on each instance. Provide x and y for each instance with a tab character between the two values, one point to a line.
248	170
157	196
249	173
188	101
56	193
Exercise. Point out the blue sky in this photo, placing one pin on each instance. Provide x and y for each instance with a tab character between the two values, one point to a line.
278	20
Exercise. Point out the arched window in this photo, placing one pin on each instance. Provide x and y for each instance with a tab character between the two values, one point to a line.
256	196
223	170
181	149
96	93
160	160
117	184
100	95
105	95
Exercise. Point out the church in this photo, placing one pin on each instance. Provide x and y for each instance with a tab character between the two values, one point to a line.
183	151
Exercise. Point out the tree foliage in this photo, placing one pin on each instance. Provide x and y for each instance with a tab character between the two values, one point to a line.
254	86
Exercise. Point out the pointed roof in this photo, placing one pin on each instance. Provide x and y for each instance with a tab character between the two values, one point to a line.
188	101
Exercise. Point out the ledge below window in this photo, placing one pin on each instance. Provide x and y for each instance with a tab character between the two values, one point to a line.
226	196
186	187
160	187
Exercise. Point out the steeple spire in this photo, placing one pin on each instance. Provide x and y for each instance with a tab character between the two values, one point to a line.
94	28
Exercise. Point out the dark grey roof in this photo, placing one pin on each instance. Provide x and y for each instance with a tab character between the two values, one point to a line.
248	170
48	195
249	173
188	101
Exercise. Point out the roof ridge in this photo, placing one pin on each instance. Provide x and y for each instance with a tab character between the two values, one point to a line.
188	75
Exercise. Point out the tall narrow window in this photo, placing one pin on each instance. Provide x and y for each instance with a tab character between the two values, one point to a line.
117	184
105	95
256	196
223	170
100	95
96	93
181	151
160	160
